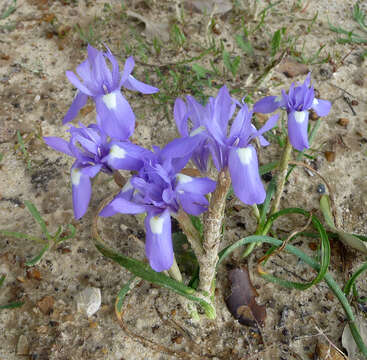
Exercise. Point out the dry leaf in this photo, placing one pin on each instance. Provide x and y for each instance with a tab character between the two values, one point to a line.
159	30
348	342
241	302
46	304
326	351
291	68
209	6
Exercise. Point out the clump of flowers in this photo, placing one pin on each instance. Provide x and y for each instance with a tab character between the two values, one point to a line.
220	139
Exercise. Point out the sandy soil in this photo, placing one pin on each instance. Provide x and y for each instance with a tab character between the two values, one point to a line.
38	44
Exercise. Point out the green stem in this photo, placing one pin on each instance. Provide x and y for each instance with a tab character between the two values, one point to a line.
283	168
174	271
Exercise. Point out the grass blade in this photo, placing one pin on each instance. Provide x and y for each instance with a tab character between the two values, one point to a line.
12	305
37	216
19	235
122	294
38	257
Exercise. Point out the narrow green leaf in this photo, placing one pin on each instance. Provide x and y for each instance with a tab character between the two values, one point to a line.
265	206
1	157
9	10
12	305
244	44
227	60
268	167
353	278
144	271
196	221
72	231
19	235
133	281
324	251
275	41
37	216
200	71
2	279
38	257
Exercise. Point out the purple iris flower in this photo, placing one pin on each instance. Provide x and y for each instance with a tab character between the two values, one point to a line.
209	134
104	86
159	189
94	152
299	100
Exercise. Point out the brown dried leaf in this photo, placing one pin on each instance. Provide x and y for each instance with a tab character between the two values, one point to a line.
191	172
241	302
46	304
159	30
326	351
291	68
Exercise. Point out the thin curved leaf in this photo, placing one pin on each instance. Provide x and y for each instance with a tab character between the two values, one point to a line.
144	271
38	257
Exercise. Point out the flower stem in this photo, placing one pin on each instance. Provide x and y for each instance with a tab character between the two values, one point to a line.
283	168
213	220
174	271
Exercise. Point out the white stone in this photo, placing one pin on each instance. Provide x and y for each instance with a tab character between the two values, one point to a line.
75	176
245	155
300	116
89	301
110	100
117	152
156	224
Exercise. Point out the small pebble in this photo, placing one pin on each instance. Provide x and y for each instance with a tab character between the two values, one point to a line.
89	300
330	156
343	122
22	346
321	189
354	102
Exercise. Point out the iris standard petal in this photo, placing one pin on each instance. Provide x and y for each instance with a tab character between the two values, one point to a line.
297	129
181	147
79	101
194	185
58	144
115	115
322	107
180	115
267	104
125	156
128	69
135	85
77	83
268	126
123	206
158	243
244	170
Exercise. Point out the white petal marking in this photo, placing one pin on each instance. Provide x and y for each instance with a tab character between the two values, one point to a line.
75	176
117	152
156	224
245	155
198	130
110	100
315	102
127	186
183	179
300	116
278	98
